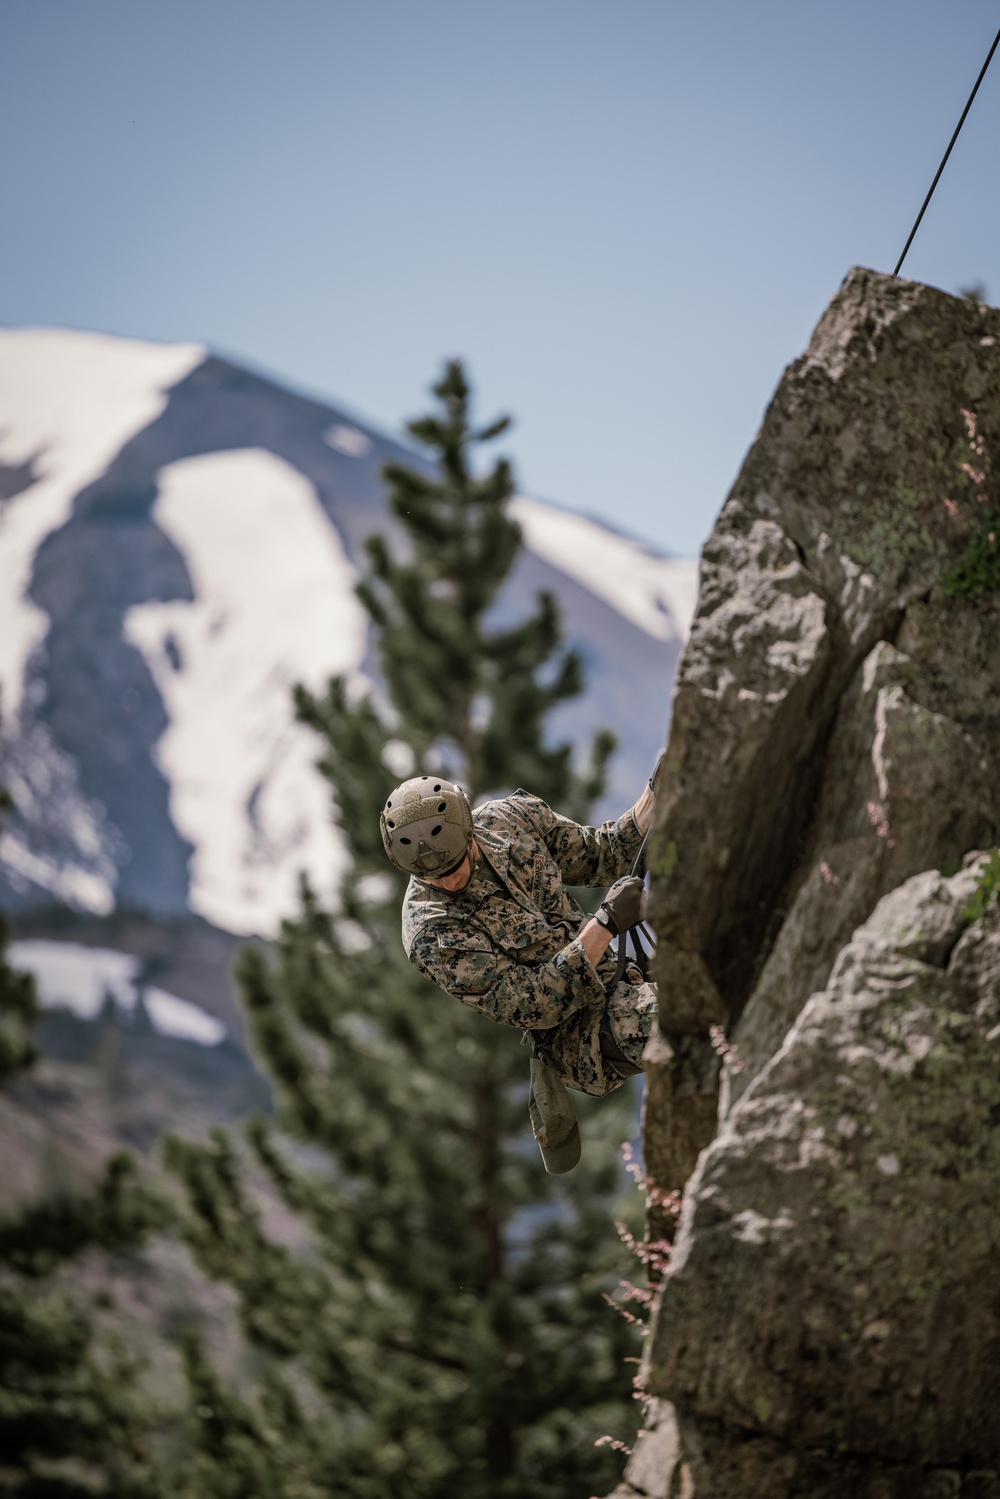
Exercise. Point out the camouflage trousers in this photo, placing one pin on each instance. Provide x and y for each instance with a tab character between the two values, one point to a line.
574	1048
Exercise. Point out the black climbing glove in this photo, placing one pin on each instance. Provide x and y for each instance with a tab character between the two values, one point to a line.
625	904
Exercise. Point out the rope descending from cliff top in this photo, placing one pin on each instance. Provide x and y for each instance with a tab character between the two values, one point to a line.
639	862
944	159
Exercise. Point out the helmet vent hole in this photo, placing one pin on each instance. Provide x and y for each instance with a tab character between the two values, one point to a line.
442	806
435	831
404	840
391	823
438	787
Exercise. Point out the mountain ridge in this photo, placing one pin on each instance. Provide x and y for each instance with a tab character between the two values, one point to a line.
154	627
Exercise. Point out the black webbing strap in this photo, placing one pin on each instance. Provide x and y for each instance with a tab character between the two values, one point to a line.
610	1050
641	956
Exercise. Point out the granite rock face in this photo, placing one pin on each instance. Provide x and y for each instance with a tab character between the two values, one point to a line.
830	1323
835	721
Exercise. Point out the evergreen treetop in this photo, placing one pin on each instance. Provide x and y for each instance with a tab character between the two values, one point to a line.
473	697
443	1333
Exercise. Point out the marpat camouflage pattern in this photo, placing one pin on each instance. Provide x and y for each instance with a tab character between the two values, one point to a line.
506	945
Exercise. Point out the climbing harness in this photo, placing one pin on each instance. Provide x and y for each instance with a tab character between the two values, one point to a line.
944	159
636	933
610	1050
641	956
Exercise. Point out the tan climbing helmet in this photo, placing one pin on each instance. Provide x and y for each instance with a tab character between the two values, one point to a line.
427	826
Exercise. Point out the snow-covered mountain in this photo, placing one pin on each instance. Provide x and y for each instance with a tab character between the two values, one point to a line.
179	539
82	979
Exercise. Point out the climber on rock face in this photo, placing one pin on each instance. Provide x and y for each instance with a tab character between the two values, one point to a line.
488	918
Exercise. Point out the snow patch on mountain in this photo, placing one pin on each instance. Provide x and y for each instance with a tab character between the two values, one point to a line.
350	441
70	976
81	889
274	605
659	594
56	838
68	403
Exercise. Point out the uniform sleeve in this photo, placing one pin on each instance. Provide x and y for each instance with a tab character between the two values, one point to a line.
585	856
529	996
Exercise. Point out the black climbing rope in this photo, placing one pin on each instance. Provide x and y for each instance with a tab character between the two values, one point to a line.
639	862
944	159
641	956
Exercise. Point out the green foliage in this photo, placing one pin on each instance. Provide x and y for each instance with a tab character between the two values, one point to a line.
263	1446
18	1014
72	1425
977	571
987	891
436	1316
473	699
116	1214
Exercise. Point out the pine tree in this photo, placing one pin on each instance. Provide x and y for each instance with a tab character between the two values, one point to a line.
445	1334
460	689
71	1423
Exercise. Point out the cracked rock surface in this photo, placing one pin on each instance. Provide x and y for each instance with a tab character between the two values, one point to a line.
836	718
832	1314
830	1324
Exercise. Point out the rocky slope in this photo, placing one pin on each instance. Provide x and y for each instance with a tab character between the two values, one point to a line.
830	1323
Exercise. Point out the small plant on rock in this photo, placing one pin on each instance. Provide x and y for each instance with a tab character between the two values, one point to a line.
987	892
977	571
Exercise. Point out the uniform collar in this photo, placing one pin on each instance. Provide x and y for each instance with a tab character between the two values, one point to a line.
495	848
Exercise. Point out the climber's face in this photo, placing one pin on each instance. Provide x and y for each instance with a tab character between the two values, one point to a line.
460	877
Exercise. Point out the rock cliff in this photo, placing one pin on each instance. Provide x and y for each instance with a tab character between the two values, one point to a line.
830	1323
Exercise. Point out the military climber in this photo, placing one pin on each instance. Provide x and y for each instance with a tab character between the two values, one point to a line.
488	918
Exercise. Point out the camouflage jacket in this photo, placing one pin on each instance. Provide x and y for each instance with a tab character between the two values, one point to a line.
506	945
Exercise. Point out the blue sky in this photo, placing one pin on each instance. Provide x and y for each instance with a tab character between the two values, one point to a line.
626	216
